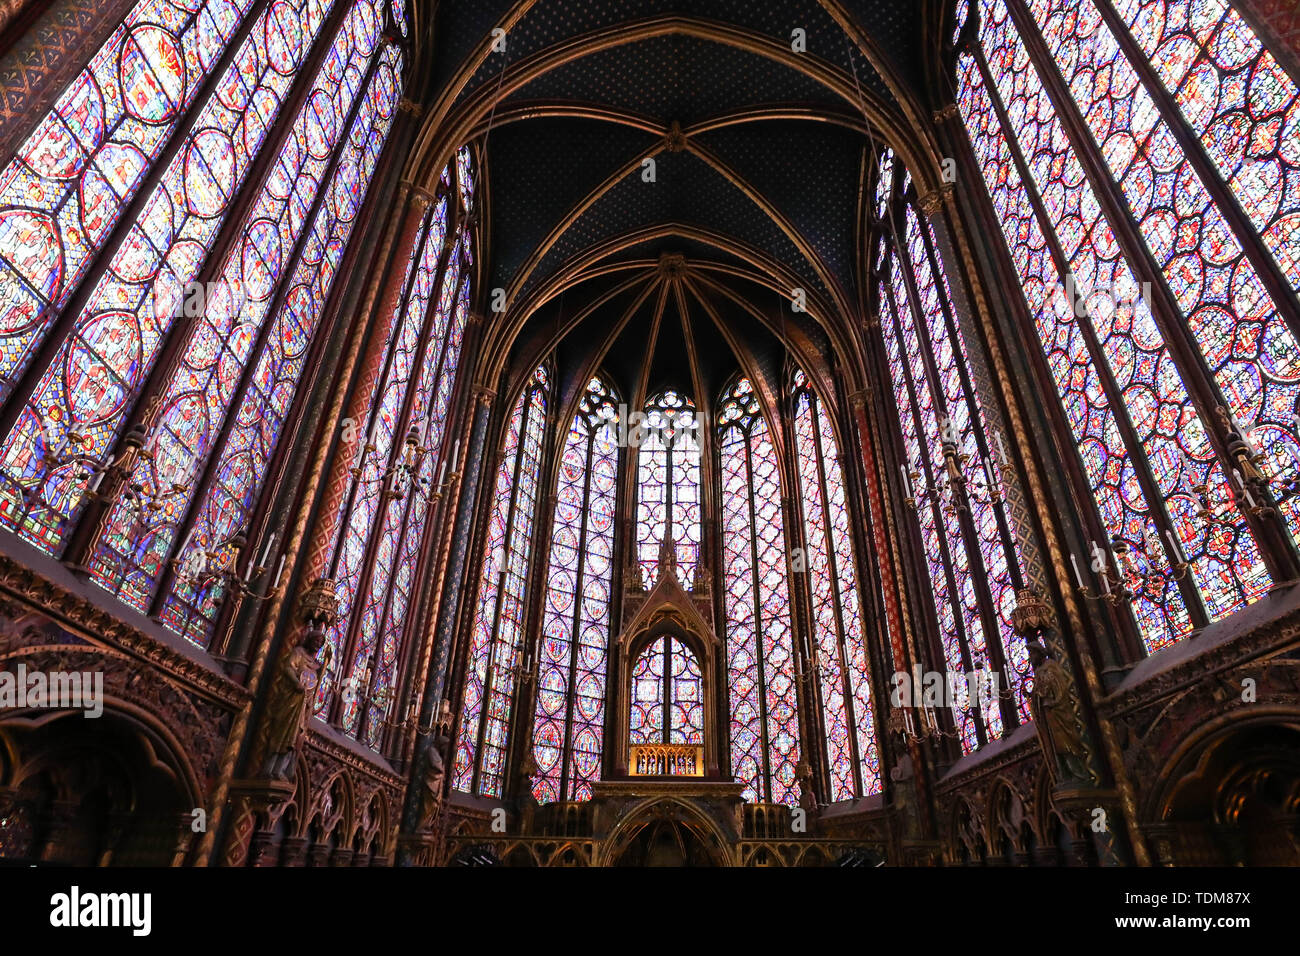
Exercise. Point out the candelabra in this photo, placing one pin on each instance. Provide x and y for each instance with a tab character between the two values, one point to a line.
125	477
1127	572
216	570
1253	485
403	475
951	486
1131	578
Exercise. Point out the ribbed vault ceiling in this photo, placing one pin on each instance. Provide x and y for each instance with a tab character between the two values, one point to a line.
762	155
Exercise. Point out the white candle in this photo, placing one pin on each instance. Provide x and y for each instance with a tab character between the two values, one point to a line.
266	552
1099	566
442	473
1077	576
1177	548
279	572
454	450
1002	449
907	484
1250	499
99	475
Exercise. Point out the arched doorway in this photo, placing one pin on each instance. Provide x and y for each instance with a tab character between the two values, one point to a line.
102	792
1235	801
667	833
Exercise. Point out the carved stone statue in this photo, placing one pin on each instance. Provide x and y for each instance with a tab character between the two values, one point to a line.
528	769
807	796
286	705
432	773
668	556
1055	711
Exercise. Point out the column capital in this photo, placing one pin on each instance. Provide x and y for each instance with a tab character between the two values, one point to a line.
419	194
931	202
943	114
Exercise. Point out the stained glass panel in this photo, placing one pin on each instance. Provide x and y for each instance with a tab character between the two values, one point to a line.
225	333
763	706
668	482
1246	344
85	161
839	653
144	294
1224	559
259	414
568	728
496	635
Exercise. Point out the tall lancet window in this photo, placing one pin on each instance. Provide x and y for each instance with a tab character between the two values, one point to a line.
497	636
761	675
953	474
668	482
173	367
568	729
88	157
1141	157
667	695
838	645
402	451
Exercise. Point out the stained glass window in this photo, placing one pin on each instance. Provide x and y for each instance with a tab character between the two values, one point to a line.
763	705
954	470
221	345
667	695
223	509
1164	495
403	449
839	653
496	635
143	296
568	729
84	163
380	432
668	482
218	343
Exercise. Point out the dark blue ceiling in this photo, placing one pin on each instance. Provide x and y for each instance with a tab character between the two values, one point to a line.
540	167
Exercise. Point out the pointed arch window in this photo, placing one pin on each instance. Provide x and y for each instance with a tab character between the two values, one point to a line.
761	675
497	634
171	363
568	728
377	550
668	482
667	695
1137	157
968	550
838	645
